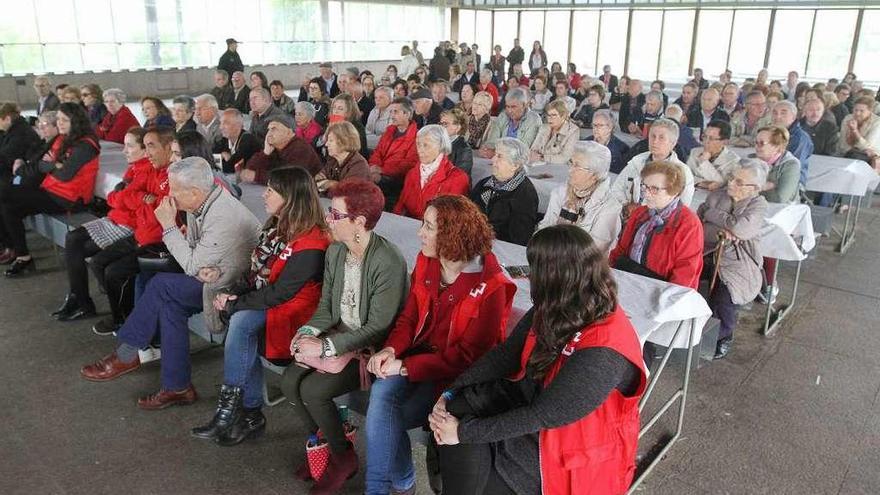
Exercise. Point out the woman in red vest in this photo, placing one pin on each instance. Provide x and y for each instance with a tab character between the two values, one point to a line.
555	407
434	176
456	311
71	167
279	295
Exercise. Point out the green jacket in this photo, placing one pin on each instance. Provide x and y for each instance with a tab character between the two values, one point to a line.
786	174
527	131
384	285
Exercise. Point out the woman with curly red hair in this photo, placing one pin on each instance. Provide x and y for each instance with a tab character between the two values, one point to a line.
456	311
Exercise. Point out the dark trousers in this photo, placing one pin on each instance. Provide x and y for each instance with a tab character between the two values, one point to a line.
391	187
468	469
16	203
114	267
164	308
311	393
723	308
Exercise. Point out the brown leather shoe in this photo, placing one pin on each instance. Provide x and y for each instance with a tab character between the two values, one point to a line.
107	368
167	398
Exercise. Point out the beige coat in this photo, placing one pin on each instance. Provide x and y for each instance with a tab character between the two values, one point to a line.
601	217
559	148
714	171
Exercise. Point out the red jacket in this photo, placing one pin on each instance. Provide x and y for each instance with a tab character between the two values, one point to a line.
128	207
477	323
284	320
114	127
493	91
82	186
675	251
574	81
597	453
448	179
396	156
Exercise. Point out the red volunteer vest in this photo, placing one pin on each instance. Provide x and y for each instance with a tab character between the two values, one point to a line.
82	186
596	454
284	320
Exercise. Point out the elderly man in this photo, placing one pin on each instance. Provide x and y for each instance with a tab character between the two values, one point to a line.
262	110
214	251
279	99
713	162
236	146
516	121
686	100
208	118
608	79
47	100
784	114
631	105
627	188
730	99
183	109
17	141
230	61
707	111
653	111
686	139
331	86
746	122
438	92
823	132
380	117
469	76
281	148
698	80
222	90
396	152
240	93
790	87
427	111
365	103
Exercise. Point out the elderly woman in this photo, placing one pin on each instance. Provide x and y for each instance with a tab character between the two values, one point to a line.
488	86
380	116
457	310
455	122
585	200
860	133
182	110
507	196
364	287
343	158
27	168
479	120
713	162
319	99
155	112
556	139
345	109
540	96
466	97
307	128
782	184
408	63
435	175
603	133
746	122
369	83
560	92
583	116
70	94
118	119
270	303
258	79
92	98
732	219
663	238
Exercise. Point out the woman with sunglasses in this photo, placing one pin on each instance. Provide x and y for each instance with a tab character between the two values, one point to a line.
663	238
364	288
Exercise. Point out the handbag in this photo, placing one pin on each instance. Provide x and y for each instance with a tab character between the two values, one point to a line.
336	364
318	450
155	260
627	264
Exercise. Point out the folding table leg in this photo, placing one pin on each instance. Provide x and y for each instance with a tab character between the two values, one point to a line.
848	234
772	319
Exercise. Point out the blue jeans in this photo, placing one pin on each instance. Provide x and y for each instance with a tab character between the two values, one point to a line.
241	364
396	405
165	306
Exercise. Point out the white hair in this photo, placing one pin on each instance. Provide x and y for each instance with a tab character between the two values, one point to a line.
437	134
517	152
209	100
673	112
605	114
385	89
114	93
757	167
305	107
193	172
668	124
517	95
598	157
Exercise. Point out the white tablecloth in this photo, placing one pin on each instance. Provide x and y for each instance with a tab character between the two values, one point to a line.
111	167
832	174
543	185
372	141
626	137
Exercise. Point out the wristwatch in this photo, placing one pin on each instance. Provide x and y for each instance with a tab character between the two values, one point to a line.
326	350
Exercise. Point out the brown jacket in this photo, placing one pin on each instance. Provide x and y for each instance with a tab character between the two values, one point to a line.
297	152
354	165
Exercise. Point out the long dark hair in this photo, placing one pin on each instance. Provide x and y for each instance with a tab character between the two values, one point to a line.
301	210
194	144
80	126
571	286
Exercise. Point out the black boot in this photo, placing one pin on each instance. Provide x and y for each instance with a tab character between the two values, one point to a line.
227	413
251	423
68	306
83	309
723	347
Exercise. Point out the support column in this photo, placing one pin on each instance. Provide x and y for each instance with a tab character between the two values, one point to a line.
855	42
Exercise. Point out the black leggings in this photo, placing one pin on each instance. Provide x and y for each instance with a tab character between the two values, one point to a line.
17	202
468	469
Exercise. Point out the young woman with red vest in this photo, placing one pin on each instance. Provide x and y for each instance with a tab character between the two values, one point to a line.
456	311
279	294
434	176
554	409
71	167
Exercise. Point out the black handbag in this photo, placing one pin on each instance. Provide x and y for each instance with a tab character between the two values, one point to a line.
627	264
155	260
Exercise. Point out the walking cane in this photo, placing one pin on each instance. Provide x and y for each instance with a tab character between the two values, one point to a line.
719	250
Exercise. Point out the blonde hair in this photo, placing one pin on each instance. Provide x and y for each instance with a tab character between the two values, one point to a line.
558	105
346	135
483	98
779	135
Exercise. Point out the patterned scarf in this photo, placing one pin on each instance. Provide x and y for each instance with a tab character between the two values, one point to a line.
494	186
657	218
476	129
264	256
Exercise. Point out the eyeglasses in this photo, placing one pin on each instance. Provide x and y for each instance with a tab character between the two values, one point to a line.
651	189
741	183
337	215
707	137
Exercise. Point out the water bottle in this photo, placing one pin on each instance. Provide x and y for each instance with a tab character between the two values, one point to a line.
313	441
343	413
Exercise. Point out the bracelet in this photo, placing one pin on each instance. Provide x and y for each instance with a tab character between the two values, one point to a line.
448	394
169	230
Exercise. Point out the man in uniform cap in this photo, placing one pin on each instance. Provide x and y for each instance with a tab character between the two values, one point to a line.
230	61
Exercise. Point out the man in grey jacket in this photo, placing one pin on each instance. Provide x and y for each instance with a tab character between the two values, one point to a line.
213	251
516	121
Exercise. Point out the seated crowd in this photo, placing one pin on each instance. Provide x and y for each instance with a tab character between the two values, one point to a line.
320	293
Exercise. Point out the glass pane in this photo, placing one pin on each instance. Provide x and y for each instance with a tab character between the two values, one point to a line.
483	38
21	59
63	57
100	56
531	28
713	36
866	65
612	44
466	20
585	40
678	30
749	43
18	25
95	20
55	22
791	39
832	43
505	30
135	55
166	15
556	39
642	53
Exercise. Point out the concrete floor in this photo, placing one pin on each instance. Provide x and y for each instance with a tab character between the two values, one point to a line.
794	413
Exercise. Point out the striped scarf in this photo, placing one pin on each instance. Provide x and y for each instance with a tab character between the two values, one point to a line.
494	186
657	218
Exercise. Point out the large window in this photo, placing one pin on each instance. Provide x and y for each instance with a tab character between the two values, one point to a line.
483	37
748	43
505	30
612	39
678	29
713	38
832	42
556	36
467	20
585	41
531	28
791	41
644	47
866	66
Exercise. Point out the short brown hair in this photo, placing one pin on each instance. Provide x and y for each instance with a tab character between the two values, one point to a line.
72	91
867	101
598	88
776	94
139	132
94	90
346	135
8	108
672	172
459	117
463	231
779	135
